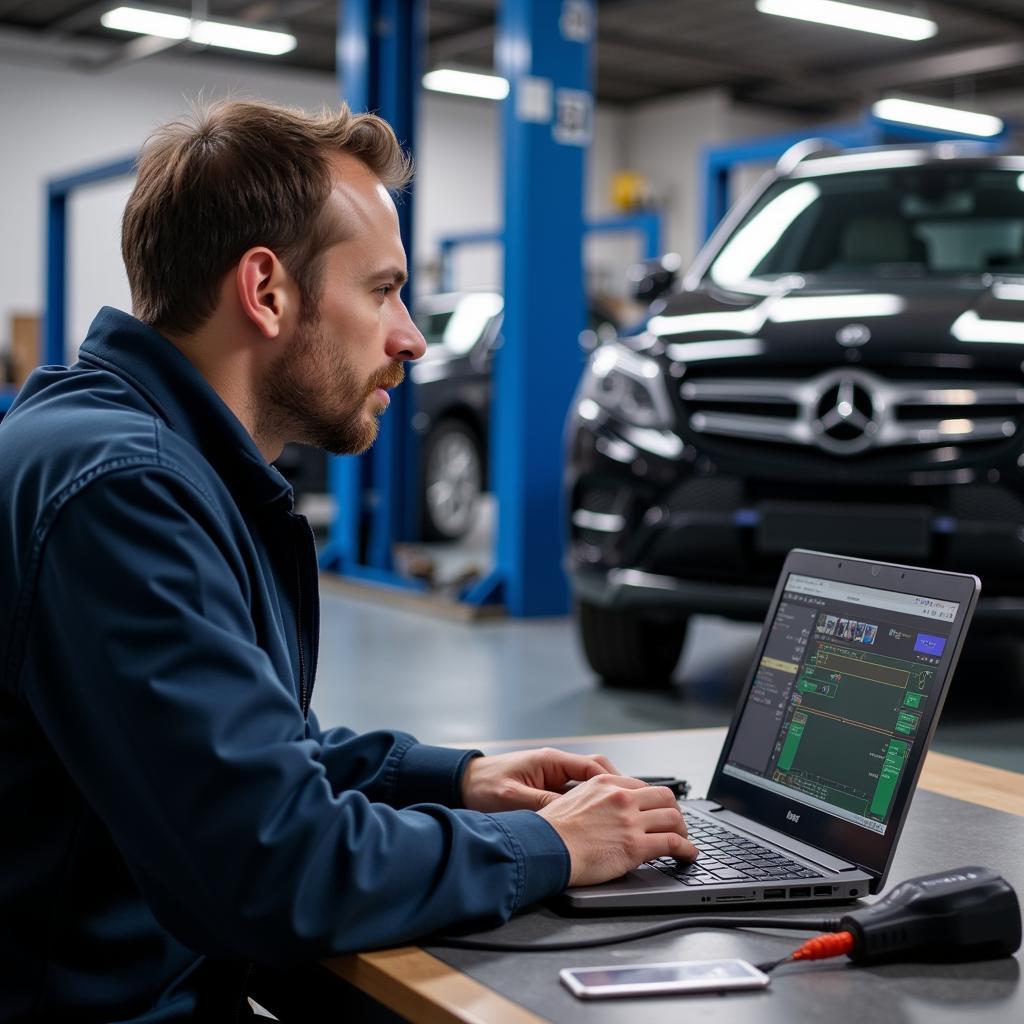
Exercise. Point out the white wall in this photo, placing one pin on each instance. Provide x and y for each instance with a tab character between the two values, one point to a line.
665	140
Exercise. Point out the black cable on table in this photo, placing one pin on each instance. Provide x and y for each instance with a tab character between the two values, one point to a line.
821	924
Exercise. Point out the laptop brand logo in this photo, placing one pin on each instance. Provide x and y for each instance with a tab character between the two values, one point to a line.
790	816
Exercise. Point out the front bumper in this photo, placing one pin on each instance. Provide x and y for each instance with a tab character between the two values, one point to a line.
686	537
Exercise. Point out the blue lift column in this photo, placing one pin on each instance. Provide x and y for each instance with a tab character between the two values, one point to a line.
544	49
379	49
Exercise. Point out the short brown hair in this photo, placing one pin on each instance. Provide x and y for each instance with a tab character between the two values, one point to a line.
237	174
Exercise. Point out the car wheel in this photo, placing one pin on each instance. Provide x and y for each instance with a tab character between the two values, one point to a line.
628	650
452	480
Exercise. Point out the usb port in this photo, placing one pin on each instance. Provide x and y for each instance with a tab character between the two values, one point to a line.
801	893
775	894
823	890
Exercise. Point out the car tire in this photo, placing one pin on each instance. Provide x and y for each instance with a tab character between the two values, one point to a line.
628	650
452	480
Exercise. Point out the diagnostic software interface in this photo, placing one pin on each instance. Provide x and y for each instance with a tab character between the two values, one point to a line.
845	686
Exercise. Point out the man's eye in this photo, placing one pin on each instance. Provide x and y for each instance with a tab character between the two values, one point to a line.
386	289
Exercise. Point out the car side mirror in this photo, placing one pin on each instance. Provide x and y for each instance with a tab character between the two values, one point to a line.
651	278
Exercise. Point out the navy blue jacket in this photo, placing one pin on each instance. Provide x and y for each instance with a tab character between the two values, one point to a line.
172	809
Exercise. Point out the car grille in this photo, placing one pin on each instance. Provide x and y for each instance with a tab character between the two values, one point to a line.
848	411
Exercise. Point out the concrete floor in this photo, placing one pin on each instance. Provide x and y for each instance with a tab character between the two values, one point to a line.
463	683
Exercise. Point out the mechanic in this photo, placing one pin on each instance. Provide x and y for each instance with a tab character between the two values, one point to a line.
174	810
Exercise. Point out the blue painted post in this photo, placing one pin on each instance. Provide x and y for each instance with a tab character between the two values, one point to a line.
544	49
378	65
400	28
57	192
55	317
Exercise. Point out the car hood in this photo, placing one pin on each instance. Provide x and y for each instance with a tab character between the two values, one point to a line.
950	323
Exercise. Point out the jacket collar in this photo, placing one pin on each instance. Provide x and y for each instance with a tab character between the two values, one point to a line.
183	398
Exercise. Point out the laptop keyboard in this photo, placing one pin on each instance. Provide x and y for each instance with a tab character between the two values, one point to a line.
727	856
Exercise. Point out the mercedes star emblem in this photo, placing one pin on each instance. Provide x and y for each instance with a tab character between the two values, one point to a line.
853	335
845	414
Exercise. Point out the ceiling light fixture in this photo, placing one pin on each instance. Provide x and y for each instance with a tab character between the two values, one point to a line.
945	119
147	23
466	83
854	16
208	33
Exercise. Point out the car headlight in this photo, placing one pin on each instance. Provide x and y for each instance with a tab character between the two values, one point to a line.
628	385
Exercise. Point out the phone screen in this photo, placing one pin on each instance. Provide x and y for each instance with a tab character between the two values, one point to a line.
650	979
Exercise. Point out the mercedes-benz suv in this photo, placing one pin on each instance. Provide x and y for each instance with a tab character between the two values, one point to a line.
841	368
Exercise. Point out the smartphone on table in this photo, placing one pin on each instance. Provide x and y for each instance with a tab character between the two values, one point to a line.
662	979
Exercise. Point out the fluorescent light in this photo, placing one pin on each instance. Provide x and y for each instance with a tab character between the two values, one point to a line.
239	37
466	83
147	23
208	33
843	15
930	115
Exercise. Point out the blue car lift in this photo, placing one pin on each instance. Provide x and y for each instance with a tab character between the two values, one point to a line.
646	224
379	47
544	50
58	192
719	161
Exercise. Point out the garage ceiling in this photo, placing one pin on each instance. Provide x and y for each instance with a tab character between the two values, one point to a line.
645	49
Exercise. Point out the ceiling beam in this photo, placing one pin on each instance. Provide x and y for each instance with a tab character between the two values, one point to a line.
970	60
998	21
456	44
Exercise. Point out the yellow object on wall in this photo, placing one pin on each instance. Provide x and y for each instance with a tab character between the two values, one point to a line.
630	190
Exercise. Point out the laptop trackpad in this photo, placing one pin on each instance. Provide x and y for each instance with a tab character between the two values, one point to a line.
643	877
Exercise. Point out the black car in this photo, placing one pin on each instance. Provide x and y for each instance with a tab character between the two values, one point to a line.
840	369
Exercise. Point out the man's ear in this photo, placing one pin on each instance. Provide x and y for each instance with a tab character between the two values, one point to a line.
265	290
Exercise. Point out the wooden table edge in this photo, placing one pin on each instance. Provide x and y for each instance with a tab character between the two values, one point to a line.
418	986
996	788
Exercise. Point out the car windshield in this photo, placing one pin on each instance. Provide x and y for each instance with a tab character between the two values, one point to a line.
900	222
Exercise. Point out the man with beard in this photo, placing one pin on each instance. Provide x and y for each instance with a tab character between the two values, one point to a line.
175	812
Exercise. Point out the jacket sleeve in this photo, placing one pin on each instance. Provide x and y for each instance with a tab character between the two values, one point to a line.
390	766
142	668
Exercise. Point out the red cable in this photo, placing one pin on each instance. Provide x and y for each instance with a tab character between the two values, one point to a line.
825	946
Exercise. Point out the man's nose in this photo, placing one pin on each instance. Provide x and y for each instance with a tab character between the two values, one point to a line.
404	340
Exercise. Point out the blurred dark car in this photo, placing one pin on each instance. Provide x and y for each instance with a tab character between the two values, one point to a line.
453	402
840	369
452	398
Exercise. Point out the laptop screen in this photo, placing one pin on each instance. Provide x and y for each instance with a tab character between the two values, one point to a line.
846	686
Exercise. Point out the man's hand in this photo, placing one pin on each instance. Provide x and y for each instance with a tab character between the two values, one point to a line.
613	823
526	780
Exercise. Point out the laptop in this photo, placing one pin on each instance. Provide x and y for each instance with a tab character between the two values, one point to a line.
816	774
